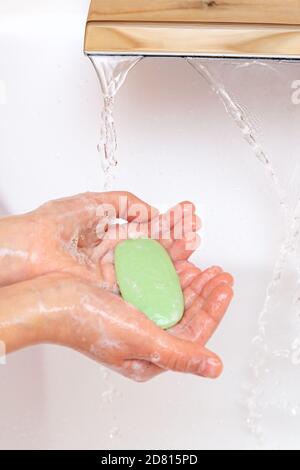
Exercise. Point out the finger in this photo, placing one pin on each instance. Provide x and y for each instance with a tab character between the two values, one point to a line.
162	226
171	353
104	251
188	276
183	226
218	301
85	211
195	301
109	277
223	278
196	287
180	217
179	222
183	249
126	205
200	329
116	233
182	265
143	340
206	315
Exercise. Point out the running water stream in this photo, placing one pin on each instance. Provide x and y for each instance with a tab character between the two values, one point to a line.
268	343
242	121
276	346
112	72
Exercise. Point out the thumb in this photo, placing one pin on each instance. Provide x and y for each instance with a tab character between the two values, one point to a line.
185	356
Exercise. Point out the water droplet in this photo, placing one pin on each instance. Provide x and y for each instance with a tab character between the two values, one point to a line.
108	396
115	433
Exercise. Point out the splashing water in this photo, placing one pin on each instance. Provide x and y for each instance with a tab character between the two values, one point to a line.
108	397
276	350
112	72
242	121
115	433
265	390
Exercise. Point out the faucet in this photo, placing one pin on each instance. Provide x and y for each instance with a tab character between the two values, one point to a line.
194	28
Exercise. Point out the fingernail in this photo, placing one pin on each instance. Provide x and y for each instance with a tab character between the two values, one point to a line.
213	368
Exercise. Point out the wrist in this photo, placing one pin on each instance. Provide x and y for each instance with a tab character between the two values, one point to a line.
20	324
16	248
46	309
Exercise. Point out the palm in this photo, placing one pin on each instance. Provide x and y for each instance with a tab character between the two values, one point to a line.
69	239
207	297
73	245
102	254
207	294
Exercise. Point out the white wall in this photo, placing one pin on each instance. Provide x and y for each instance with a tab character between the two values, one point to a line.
175	143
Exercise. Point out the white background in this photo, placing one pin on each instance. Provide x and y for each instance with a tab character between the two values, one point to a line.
175	143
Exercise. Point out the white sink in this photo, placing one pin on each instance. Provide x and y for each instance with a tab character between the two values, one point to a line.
175	143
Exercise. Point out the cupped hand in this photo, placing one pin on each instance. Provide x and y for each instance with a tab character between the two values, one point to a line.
101	325
65	310
207	295
66	248
78	235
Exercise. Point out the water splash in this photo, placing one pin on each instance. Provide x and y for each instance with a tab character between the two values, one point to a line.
254	63
112	72
269	361
115	433
109	396
266	376
243	122
288	247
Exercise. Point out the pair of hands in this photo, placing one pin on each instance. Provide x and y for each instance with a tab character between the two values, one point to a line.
58	285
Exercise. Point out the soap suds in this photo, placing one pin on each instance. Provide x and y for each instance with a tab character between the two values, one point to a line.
155	358
9	252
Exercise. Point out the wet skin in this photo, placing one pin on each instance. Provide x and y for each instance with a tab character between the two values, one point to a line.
58	286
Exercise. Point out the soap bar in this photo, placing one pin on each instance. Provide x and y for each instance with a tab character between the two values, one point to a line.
148	280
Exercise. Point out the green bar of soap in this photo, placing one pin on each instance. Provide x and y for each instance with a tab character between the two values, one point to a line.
148	280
